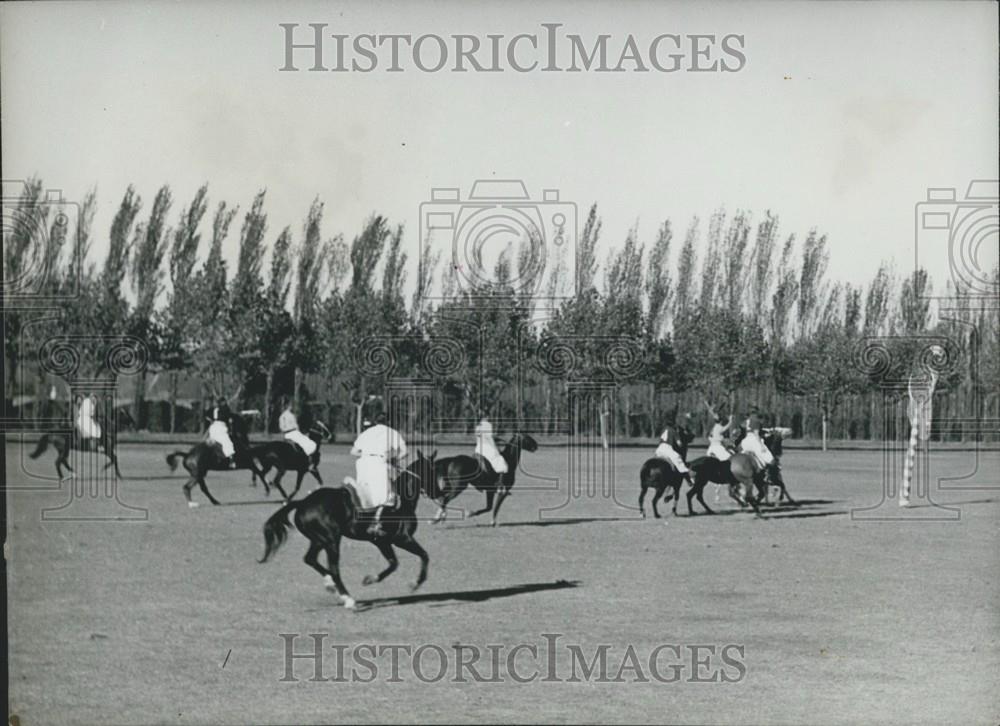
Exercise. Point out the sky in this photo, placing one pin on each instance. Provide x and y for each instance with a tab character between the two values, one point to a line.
840	119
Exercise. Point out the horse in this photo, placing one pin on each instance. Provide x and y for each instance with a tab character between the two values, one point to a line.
327	514
63	443
206	456
454	473
658	474
773	439
285	456
741	474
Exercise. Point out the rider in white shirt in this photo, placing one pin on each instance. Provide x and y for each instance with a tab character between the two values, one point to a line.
753	443
666	449
487	448
85	421
377	449
716	437
289	426
218	431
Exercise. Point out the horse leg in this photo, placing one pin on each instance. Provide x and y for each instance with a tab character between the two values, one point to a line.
441	513
780	482
657	493
501	495
62	459
751	499
298	483
698	490
316	475
277	483
390	555
110	453
446	498
331	574
188	486
490	494
642	498
409	544
333	564
761	482
204	490
677	496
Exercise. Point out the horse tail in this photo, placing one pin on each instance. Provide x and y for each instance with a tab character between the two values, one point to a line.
172	459
40	447
276	530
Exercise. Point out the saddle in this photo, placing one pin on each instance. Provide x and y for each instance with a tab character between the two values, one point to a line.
365	515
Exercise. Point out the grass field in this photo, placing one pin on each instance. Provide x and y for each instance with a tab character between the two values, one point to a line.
842	620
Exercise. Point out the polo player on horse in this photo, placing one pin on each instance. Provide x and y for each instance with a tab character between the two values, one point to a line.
378	448
218	430
289	426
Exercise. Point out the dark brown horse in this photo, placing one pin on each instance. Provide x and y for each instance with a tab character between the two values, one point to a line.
658	474
742	474
328	514
455	473
285	456
65	442
205	457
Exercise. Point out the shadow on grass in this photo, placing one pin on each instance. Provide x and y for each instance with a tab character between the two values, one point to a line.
803	515
950	504
545	522
464	596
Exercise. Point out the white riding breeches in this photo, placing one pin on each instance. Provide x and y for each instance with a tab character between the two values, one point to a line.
667	452
752	444
89	428
718	451
301	440
488	450
218	432
372	483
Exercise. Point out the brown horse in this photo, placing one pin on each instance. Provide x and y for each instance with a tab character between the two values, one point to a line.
452	475
328	514
64	442
205	457
658	474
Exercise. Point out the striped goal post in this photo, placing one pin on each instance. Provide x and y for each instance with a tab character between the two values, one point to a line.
920	411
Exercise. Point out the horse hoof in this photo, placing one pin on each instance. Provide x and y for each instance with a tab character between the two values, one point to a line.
414	586
328	583
368	580
349	603
493	523
193	505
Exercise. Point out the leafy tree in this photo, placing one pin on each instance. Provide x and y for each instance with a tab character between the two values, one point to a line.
175	317
146	276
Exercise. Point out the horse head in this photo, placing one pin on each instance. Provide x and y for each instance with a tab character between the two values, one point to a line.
772	440
523	441
239	430
318	432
